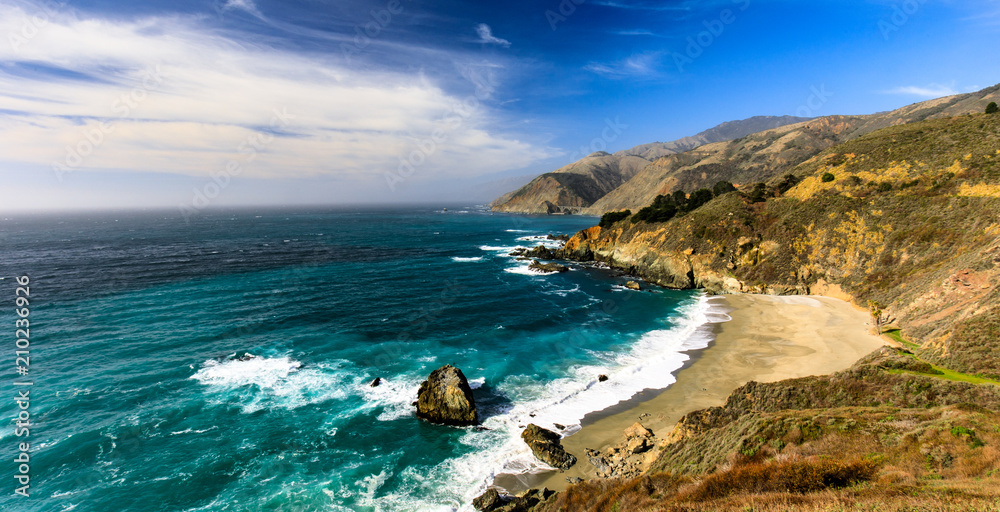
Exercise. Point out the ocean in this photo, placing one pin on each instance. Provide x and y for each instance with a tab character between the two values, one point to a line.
141	401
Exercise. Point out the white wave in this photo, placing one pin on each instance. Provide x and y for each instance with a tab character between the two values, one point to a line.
477	383
459	259
499	248
563	293
191	431
648	364
525	270
394	396
518	231
272	381
537	240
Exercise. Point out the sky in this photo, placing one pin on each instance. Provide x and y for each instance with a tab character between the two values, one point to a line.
194	104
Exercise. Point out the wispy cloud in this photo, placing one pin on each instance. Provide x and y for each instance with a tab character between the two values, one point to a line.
486	36
219	90
243	5
640	65
925	91
635	32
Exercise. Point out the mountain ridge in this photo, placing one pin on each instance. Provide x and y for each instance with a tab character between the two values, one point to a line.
600	173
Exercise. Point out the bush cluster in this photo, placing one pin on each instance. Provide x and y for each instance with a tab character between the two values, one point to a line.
612	217
666	207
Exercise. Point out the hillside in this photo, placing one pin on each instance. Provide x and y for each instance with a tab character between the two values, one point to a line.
572	187
906	216
581	183
726	131
763	155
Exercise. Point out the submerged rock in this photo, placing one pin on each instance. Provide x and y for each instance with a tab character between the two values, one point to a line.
446	398
546	446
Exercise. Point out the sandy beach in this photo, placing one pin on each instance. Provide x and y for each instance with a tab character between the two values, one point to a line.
769	338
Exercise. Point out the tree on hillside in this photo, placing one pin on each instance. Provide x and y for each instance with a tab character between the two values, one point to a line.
698	198
723	187
680	198
759	193
992	108
876	311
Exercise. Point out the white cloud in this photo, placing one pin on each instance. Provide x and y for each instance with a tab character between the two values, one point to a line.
216	92
927	91
639	65
243	5
486	36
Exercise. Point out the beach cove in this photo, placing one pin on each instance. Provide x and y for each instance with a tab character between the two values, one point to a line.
767	339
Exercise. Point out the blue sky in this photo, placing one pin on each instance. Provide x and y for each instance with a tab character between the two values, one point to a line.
192	104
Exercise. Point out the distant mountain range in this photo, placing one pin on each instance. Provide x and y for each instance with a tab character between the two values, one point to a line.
742	152
582	183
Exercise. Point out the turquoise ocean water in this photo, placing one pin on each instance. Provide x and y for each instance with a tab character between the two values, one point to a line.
138	403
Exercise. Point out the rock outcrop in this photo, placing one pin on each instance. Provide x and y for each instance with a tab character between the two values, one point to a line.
493	501
624	460
540	252
547	268
446	398
546	446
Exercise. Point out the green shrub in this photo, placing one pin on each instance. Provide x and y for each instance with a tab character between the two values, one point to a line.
608	219
698	198
723	187
759	193
828	177
992	108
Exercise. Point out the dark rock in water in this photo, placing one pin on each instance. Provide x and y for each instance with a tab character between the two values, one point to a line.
561	238
489	501
558	426
602	378
547	268
446	398
376	382
632	285
540	252
241	356
546	446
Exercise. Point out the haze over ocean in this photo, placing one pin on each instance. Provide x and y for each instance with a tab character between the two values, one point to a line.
141	401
